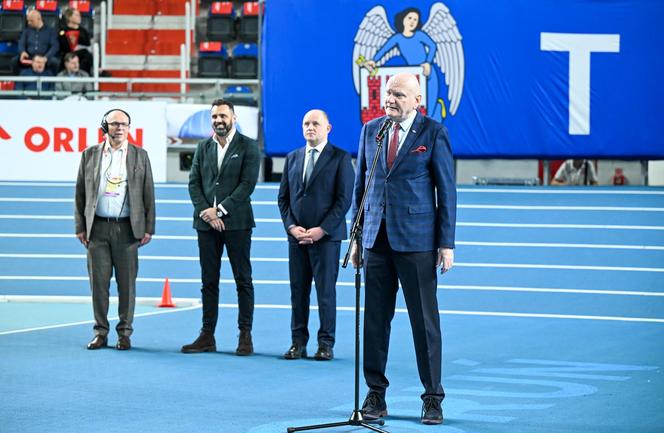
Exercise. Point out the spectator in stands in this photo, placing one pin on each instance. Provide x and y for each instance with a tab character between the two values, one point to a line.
575	172
72	71
38	69
38	39
75	38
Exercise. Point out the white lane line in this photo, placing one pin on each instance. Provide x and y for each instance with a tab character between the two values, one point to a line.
459	223
351	284
352	309
559	226
460	206
71	217
563	208
284	239
89	322
157	185
285	260
561	191
546	316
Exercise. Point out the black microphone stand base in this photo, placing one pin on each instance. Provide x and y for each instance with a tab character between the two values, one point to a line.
355	420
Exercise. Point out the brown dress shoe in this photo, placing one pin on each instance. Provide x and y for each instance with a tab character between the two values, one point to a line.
296	351
204	343
324	353
245	346
124	343
98	342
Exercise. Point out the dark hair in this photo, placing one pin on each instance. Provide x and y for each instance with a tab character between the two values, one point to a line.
67	14
229	104
398	19
69	56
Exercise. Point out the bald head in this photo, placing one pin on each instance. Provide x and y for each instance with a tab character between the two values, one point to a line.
34	19
402	96
315	127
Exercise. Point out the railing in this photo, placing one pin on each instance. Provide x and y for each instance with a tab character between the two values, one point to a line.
216	85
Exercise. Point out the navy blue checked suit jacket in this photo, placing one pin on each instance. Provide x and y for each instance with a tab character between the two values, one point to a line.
417	197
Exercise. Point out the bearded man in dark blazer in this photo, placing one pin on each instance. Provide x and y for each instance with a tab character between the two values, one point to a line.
114	214
223	176
314	196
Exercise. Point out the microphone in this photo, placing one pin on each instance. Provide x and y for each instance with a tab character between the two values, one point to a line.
383	129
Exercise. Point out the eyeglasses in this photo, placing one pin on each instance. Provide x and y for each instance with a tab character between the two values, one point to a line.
119	124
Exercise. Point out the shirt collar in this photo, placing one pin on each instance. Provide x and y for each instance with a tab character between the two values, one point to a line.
229	137
108	148
319	147
406	124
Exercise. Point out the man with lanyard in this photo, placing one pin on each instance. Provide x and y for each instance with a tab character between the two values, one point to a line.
114	215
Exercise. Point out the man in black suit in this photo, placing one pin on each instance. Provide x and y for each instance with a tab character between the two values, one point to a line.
223	176
314	196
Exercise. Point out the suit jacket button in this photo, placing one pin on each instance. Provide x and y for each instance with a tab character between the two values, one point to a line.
217	184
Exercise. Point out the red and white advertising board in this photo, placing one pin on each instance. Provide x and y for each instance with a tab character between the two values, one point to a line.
43	140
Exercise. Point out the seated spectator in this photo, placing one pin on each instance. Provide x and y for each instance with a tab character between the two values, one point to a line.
75	38
38	39
38	69
575	172
72	71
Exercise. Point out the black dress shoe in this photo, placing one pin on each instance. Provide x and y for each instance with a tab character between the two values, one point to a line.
374	406
432	413
324	353
245	346
124	343
204	343
98	342
296	351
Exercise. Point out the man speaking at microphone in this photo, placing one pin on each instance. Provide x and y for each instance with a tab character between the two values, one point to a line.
408	232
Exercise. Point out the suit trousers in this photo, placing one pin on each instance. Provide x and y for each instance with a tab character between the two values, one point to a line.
210	248
319	261
384	269
113	248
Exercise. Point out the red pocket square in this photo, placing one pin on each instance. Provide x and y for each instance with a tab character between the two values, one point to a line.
420	149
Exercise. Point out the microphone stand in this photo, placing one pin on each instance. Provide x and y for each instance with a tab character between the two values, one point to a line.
356	419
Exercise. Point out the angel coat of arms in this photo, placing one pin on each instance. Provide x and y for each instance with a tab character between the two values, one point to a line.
432	52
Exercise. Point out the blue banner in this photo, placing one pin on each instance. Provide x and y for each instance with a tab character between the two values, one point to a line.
509	78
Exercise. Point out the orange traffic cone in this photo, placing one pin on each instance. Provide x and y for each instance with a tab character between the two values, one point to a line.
166	301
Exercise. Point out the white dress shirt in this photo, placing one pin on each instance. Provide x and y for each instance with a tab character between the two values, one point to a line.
112	194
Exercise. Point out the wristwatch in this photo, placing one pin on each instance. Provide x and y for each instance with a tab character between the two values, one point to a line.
219	213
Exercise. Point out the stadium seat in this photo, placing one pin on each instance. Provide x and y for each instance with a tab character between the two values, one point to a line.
241	95
244	61
221	22
248	22
8	50
50	12
212	60
87	14
12	19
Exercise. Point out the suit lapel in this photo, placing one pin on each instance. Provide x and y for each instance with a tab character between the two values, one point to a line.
324	157
415	130
233	148
299	168
96	167
131	164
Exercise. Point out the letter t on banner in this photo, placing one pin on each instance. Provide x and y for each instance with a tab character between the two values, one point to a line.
579	47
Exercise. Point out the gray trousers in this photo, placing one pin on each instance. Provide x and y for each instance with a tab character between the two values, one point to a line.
113	248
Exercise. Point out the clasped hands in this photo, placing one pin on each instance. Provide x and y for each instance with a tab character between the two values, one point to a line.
306	237
209	215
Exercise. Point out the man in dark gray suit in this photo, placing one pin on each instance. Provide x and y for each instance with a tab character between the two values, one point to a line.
314	196
223	176
114	215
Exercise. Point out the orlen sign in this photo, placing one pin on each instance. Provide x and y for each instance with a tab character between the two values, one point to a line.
39	139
